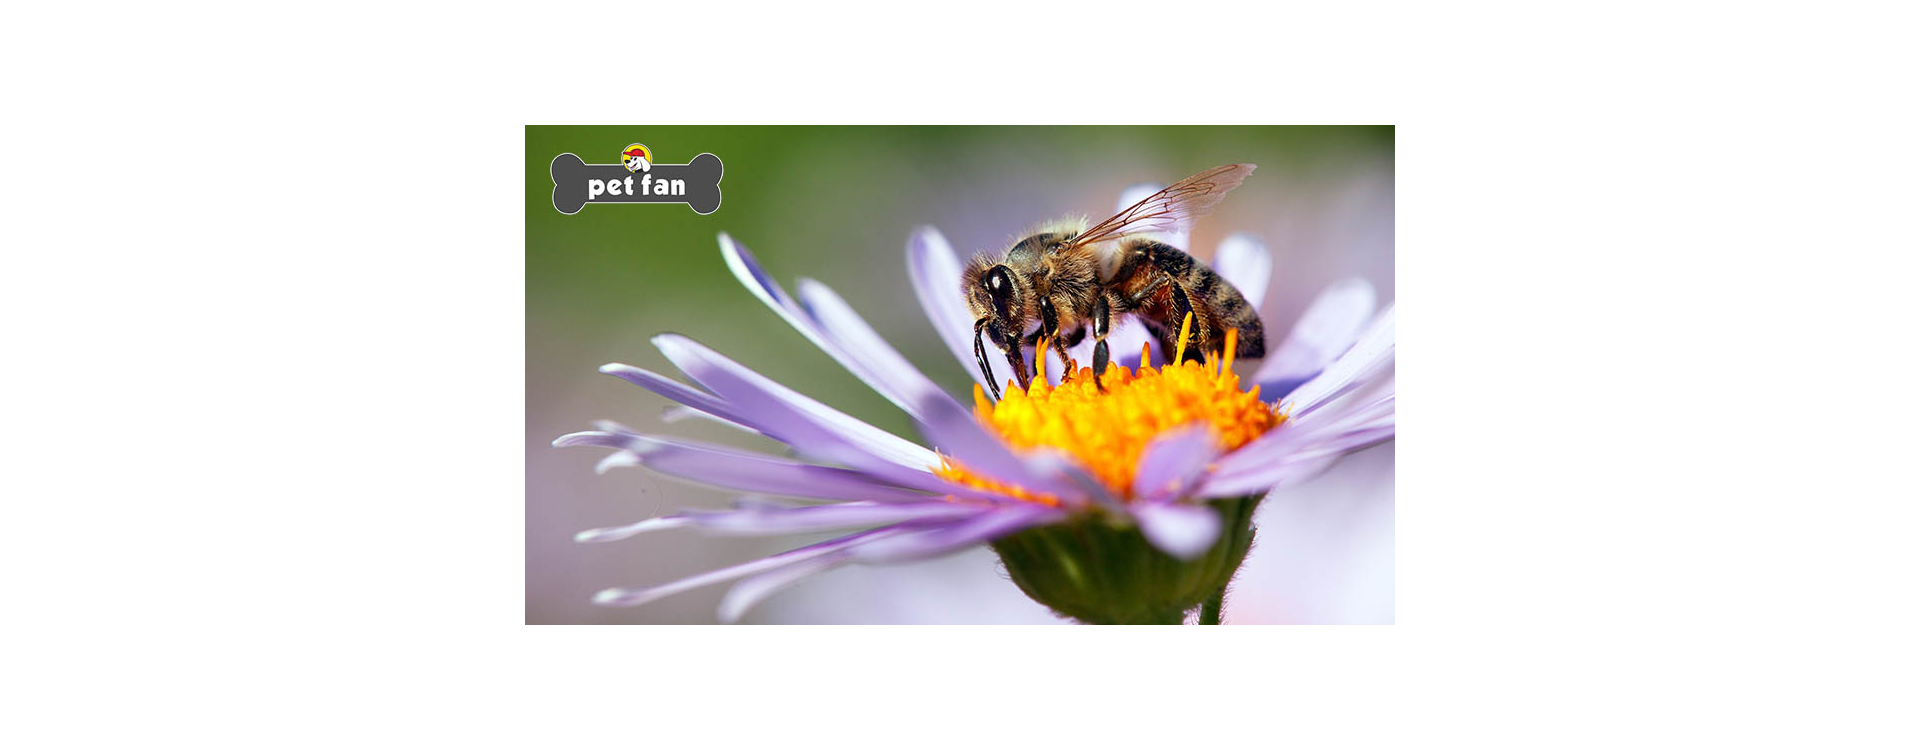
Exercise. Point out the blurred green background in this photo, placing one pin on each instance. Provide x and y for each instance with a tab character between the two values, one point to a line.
837	204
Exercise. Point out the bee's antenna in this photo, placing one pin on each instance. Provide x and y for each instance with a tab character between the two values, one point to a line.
980	354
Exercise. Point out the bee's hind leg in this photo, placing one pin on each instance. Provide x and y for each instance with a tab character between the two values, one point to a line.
1201	334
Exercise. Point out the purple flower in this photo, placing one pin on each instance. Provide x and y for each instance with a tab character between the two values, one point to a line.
1183	497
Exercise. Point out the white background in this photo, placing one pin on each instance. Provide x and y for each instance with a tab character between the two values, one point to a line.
1654	481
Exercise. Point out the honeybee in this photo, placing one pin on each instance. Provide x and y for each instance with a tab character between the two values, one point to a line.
1069	279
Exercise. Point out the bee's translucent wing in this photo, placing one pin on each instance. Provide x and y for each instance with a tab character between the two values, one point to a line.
1171	209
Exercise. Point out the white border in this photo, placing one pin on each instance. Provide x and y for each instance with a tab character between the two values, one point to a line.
263	432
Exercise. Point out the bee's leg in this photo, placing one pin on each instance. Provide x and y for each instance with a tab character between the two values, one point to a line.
1066	341
1050	331
980	355
1100	321
1182	307
1019	365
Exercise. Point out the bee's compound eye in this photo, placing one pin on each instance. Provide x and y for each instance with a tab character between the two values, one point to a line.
997	281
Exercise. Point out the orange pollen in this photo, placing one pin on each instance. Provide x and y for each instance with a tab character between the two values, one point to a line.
1108	431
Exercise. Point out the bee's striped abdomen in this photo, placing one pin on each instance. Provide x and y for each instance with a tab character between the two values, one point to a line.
1216	303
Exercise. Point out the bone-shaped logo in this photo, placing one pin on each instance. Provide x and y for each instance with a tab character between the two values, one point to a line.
577	183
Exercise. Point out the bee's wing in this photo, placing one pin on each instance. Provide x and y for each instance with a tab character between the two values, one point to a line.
1171	209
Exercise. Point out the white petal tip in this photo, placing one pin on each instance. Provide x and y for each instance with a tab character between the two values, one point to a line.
612	598
617	460
617	533
1187	552
576	438
927	234
668	340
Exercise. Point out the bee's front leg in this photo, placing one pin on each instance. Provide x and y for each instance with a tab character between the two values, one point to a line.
1019	364
1100	324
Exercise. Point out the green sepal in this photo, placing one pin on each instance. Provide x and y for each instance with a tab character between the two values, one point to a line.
1099	569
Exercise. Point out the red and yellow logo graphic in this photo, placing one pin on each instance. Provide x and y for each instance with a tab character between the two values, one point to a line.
636	158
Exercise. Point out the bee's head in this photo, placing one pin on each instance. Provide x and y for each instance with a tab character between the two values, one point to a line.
997	295
999	298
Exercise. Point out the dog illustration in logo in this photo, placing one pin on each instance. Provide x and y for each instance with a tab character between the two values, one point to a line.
636	158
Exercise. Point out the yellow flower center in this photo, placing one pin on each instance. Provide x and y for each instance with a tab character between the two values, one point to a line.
1108	430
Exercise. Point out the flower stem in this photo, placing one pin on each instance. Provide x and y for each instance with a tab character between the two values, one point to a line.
1210	609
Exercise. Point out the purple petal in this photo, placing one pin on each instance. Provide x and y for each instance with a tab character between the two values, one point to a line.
1326	330
635	597
1180	529
755	589
849	340
1370	356
617	533
761	502
751	591
761	284
681	413
1245	264
1172	462
950	538
799	421
1294	467
954	431
691	397
1373	404
890	374
934	270
1299	451
616	460
1360	411
807	519
1054	461
763	520
815	429
725	467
